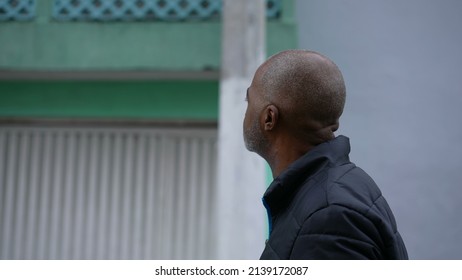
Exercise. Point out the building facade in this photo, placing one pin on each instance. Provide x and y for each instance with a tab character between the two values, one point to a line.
108	126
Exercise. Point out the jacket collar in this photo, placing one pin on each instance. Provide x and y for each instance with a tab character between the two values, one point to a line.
283	187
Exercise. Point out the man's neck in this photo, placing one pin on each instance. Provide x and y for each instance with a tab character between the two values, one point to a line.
284	155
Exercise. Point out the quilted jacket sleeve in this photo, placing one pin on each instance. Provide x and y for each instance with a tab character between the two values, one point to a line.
337	232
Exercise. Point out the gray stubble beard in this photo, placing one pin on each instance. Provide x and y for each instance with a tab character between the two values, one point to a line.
254	140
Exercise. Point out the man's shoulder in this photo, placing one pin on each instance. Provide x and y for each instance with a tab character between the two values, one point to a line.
346	185
354	189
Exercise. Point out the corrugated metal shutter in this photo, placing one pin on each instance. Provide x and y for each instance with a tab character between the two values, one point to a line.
112	193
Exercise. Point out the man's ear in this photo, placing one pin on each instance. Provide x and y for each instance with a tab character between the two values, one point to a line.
270	117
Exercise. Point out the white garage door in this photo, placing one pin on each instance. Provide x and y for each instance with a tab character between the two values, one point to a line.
106	193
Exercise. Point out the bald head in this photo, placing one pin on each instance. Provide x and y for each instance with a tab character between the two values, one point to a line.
294	103
308	89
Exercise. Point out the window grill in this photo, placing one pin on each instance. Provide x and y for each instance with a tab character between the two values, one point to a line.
145	10
17	10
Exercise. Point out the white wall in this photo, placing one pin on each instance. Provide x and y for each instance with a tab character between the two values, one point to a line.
402	64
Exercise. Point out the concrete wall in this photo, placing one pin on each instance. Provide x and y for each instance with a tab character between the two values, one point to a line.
401	61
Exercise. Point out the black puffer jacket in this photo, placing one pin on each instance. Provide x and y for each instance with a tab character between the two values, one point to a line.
324	207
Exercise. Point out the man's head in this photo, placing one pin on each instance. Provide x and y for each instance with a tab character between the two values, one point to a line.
296	98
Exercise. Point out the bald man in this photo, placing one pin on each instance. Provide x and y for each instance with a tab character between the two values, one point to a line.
320	205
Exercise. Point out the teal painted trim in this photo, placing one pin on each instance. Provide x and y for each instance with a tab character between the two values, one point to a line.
288	11
269	180
159	46
172	100
280	36
269	174
43	11
89	46
110	46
